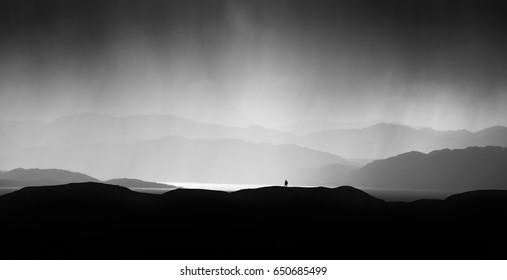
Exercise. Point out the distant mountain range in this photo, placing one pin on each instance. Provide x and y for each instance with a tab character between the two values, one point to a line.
386	140
97	128
308	127
443	170
20	177
168	148
179	159
451	170
375	141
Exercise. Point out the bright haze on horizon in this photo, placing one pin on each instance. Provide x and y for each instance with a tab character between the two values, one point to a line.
438	64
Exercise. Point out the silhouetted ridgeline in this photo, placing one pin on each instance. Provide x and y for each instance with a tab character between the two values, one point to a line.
96	221
54	175
14	179
20	177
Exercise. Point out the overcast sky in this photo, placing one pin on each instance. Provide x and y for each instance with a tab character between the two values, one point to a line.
435	63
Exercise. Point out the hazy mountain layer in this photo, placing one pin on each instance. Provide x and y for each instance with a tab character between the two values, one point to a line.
233	161
308	127
386	140
179	159
94	128
54	175
451	170
372	142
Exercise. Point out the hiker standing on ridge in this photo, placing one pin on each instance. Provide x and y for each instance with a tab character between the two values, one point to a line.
286	183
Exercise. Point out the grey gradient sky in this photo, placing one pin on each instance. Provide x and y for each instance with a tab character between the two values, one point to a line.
431	63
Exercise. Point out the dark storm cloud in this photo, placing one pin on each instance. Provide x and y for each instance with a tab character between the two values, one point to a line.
88	54
85	28
456	41
444	41
417	29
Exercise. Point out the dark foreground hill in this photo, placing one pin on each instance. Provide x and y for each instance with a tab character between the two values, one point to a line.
100	221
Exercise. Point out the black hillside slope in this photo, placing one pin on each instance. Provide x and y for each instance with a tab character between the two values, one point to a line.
100	221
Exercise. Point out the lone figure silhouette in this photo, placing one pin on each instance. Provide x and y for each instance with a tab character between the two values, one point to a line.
286	183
